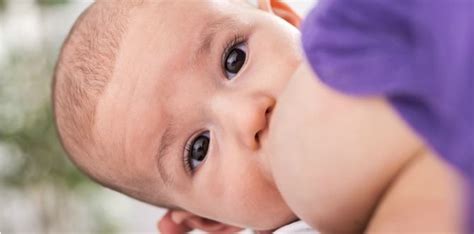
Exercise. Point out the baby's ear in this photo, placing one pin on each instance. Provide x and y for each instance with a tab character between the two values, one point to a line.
280	9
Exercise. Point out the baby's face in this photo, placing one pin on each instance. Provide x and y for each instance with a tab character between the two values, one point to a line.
189	105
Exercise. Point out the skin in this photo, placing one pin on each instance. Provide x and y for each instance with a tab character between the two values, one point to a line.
248	177
427	196
355	156
376	145
154	84
380	185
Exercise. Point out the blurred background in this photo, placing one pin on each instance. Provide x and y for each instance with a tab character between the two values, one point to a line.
40	190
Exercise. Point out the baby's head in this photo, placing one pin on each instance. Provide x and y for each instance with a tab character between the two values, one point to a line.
169	102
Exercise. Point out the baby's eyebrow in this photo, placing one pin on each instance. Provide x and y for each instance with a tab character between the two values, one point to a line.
205	40
168	139
208	34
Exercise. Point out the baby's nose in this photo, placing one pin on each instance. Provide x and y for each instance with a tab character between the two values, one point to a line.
247	117
252	120
257	124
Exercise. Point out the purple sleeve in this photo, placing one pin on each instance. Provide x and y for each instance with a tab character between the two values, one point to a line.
416	53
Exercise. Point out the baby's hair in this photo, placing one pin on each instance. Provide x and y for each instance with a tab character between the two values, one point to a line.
84	68
83	71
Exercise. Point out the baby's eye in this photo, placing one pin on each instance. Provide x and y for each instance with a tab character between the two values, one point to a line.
197	151
234	60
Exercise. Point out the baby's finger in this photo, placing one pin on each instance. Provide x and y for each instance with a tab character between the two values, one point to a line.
265	5
167	226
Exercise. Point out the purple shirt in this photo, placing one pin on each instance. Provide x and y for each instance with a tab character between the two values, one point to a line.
419	54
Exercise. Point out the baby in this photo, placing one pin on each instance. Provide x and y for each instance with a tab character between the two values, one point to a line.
199	106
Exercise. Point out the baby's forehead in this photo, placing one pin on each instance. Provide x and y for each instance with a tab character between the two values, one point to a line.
172	30
171	13
160	42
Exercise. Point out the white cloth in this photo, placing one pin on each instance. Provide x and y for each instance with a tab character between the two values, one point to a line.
296	227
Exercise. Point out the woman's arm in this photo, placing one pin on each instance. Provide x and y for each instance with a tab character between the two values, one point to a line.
427	196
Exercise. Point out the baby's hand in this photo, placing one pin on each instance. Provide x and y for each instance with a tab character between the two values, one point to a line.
167	225
177	222
331	154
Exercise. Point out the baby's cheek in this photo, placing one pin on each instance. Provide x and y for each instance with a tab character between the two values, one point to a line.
241	196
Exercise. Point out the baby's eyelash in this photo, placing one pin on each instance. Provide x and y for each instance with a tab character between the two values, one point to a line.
235	40
187	152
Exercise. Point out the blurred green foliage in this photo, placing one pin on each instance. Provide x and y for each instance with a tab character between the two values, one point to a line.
3	3
43	159
32	161
50	2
